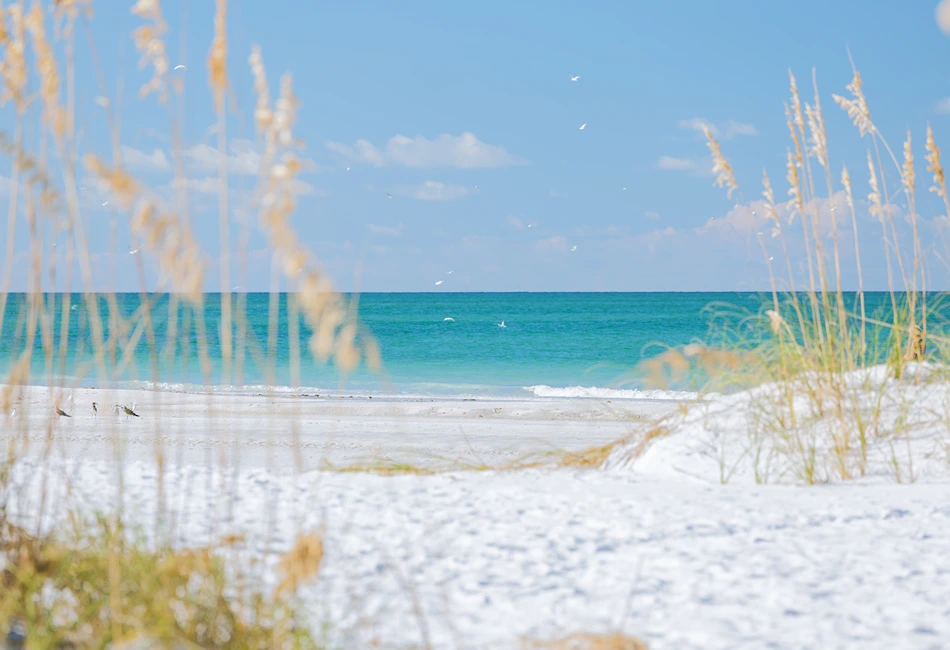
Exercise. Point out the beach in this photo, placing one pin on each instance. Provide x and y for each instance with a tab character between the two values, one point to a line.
488	558
307	432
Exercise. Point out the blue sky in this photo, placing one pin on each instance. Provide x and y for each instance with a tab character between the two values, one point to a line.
466	115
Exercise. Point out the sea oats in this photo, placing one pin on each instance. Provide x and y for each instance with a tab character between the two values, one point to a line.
934	166
263	115
769	197
908	177
218	54
857	106
796	103
161	232
150	44
724	175
776	322
47	69
874	196
846	183
301	563
816	131
794	185
70	10
334	332
13	67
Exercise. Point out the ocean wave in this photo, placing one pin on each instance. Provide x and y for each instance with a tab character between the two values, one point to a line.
611	393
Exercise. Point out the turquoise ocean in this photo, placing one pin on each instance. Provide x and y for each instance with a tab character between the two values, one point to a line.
552	344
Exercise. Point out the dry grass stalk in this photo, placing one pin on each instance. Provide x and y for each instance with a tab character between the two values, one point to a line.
48	71
721	167
934	166
301	563
335	334
149	41
162	233
13	68
218	54
857	106
849	197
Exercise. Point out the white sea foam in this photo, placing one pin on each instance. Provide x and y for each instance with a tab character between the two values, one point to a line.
610	393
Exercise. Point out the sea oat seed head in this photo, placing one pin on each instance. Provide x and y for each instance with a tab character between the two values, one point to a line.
724	174
793	184
217	56
857	106
13	66
769	197
933	163
776	322
846	182
874	196
908	177
149	43
796	102
48	71
816	129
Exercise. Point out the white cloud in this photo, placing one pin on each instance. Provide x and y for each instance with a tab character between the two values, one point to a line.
650	214
654	237
676	164
556	244
302	188
205	185
463	151
515	222
385	230
943	106
155	161
724	131
244	157
752	217
433	191
211	185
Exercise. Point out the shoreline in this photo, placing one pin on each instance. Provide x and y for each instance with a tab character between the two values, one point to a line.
306	432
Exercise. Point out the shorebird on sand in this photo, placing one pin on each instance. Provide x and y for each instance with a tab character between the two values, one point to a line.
95	410
61	413
129	412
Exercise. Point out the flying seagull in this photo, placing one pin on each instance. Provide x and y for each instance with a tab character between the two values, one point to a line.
575	78
180	67
448	319
439	282
133	252
449	272
389	195
502	324
347	169
61	413
574	247
129	412
105	203
582	126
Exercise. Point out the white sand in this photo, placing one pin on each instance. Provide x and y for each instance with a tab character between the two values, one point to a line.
666	554
257	430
